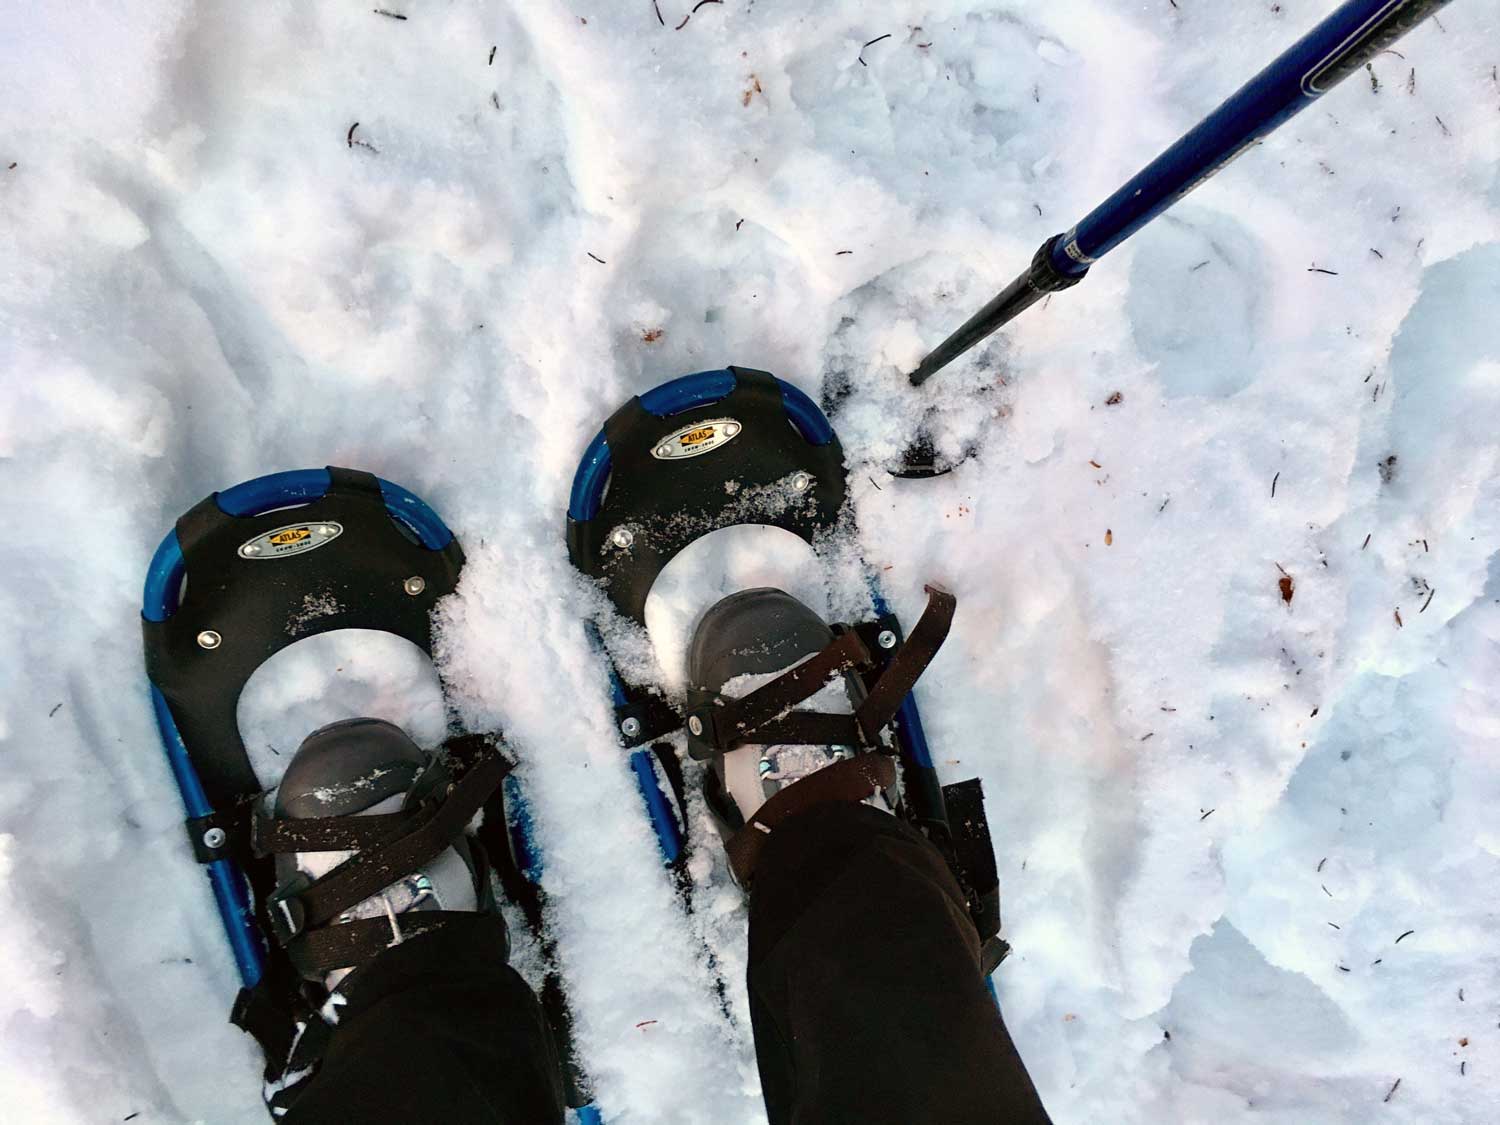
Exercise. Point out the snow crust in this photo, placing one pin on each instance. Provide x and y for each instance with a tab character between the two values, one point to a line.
1248	845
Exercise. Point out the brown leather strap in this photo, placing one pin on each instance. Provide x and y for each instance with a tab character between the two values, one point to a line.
732	721
355	943
365	873
765	716
910	661
852	779
805	728
272	836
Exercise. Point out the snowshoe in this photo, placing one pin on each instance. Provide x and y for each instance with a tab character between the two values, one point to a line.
726	448
308	887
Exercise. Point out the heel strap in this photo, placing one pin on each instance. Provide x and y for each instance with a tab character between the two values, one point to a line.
852	779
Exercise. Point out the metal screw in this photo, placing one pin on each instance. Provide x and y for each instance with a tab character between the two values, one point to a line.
209	639
801	482
630	727
622	537
886	639
414	585
214	838
695	725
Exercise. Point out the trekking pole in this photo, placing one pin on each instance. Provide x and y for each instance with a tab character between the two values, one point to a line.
1352	35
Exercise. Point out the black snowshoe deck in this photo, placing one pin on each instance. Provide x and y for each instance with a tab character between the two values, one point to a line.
256	583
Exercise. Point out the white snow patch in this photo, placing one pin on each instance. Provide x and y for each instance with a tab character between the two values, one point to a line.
204	280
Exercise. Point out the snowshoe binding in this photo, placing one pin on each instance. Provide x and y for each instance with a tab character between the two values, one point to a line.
352	786
743	648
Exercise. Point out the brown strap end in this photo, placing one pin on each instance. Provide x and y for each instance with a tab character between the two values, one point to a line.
852	780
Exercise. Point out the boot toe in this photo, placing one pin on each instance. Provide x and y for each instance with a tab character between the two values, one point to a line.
347	767
753	631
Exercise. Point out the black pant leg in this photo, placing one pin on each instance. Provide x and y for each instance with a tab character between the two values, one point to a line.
865	989
438	1028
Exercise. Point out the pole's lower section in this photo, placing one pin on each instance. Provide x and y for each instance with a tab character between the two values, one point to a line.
1349	37
1041	278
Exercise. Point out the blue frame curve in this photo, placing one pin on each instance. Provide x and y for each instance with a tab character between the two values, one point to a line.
685	393
266	494
231	888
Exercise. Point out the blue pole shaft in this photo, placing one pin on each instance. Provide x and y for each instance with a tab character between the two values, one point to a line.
1355	32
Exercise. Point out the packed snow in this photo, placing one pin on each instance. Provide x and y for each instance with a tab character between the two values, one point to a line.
1227	654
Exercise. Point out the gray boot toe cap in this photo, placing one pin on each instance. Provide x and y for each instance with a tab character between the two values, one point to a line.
753	631
346	767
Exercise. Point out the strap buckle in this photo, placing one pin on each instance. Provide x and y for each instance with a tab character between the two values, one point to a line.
259	821
767	714
703	737
285	911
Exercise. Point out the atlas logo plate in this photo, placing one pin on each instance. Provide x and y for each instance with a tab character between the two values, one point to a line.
293	539
699	438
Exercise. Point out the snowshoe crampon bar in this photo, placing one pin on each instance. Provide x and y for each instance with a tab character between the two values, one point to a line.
723	449
243	575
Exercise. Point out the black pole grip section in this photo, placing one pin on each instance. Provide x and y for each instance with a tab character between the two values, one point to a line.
1026	290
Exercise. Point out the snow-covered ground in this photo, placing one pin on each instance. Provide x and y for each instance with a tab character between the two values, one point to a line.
1228	650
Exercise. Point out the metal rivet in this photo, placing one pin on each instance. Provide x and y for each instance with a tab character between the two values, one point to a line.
250	549
695	725
731	428
630	727
324	529
209	639
801	482
622	537
414	585
886	639
214	838
664	451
